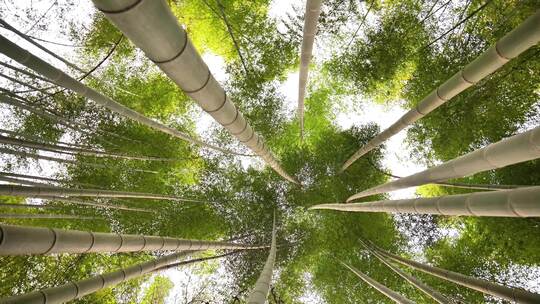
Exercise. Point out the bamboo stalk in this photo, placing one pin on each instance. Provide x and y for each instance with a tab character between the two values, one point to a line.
40	139
166	43
260	291
512	150
526	35
392	295
188	262
521	202
47	216
23	240
25	58
311	17
484	286
47	179
25	191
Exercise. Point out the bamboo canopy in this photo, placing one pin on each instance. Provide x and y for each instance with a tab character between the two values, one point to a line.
23	240
311	18
75	290
512	150
394	296
62	79
259	293
432	293
486	287
25	191
152	27
521	202
526	35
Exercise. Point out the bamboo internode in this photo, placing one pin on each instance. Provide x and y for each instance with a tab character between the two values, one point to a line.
394	296
25	191
75	290
522	202
311	17
512	294
260	292
512	150
510	46
23	240
152	27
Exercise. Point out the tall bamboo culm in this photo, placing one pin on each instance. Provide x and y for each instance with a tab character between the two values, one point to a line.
512	150
394	296
259	293
521	202
24	240
311	18
25	58
512	294
75	290
166	43
526	35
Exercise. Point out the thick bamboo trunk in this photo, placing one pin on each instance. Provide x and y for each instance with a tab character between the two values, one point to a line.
25	191
166	43
63	149
521	202
311	18
23	240
512	150
47	216
65	161
432	293
392	295
526	35
260	291
486	287
25	58
75	290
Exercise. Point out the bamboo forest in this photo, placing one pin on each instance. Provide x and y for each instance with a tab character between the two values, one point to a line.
269	151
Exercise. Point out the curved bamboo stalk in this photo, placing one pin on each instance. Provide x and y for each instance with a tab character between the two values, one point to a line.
311	17
47	179
392	295
486	287
526	35
25	58
260	292
166	43
432	293
75	290
83	151
47	216
65	161
521	202
22	240
512	150
25	191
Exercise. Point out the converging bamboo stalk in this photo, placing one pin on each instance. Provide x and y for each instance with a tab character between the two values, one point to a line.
526	35
521	202
394	296
512	150
166	43
23	240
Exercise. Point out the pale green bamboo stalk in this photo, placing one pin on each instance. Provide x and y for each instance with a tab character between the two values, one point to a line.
25	58
23	240
30	206
512	150
47	216
491	187
39	139
521	202
432	293
63	149
65	161
484	286
260	291
188	262
526	35
47	179
392	295
25	191
166	43
76	290
311	17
